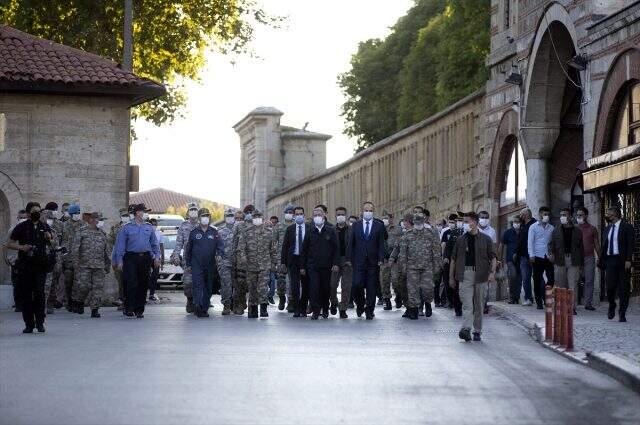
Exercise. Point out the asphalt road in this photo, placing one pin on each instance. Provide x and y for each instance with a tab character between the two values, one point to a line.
171	368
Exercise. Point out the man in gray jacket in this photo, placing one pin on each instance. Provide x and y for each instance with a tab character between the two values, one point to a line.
567	254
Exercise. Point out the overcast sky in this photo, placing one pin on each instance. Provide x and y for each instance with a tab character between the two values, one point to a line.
296	72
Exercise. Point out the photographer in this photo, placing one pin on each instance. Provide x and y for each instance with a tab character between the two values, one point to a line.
31	238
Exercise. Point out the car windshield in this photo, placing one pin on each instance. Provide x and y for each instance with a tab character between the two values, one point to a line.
169	222
169	241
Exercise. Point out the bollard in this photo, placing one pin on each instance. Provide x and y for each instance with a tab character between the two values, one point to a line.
556	316
549	310
569	336
563	316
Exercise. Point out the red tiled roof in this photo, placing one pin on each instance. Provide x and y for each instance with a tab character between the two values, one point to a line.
32	64
160	199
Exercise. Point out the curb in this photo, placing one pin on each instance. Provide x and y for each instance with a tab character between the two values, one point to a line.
612	365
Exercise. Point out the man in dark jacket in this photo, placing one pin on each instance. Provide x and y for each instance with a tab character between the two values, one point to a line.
291	258
615	256
344	274
320	258
567	254
523	256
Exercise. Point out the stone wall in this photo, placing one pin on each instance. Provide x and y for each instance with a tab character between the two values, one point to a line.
63	148
441	162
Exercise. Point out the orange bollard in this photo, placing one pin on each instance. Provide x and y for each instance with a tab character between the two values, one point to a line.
548	313
569	337
563	316
556	316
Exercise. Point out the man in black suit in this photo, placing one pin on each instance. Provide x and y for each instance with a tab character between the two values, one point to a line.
320	259
615	257
366	254
291	258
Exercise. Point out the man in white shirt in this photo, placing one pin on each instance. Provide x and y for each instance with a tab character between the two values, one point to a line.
538	246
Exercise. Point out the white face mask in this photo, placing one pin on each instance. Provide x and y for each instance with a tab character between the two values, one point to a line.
318	220
564	219
427	225
580	220
418	226
124	219
516	225
230	220
385	221
288	216
65	214
193	214
75	217
466	227
256	221
132	217
545	218
57	215
100	224
452	226
484	222
460	224
50	221
204	221
367	215
341	219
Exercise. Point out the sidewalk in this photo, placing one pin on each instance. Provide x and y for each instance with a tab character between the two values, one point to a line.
607	345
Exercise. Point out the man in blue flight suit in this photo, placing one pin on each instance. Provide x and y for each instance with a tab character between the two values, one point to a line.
203	248
136	250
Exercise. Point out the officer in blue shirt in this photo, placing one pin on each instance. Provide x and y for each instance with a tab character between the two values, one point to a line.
136	249
203	246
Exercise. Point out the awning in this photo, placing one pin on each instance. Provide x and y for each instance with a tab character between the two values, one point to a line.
611	168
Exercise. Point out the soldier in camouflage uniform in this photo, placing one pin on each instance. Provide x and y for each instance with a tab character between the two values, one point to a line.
71	227
47	216
420	257
256	255
240	289
281	273
226	262
393	235
176	257
91	261
398	275
113	235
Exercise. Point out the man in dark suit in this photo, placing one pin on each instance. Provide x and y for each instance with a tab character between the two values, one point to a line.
291	258
320	259
615	257
366	254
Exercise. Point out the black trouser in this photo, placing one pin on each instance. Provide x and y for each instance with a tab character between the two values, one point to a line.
299	285
436	289
31	294
541	265
365	285
453	294
153	282
319	288
16	293
135	280
618	282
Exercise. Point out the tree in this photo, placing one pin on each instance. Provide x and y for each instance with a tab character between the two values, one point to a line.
170	36
216	210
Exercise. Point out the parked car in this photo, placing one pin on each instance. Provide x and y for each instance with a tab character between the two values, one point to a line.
167	221
170	275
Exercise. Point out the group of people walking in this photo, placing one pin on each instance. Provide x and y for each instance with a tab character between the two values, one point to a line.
305	258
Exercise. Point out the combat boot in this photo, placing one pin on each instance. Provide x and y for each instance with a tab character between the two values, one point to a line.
252	312
282	303
291	307
343	314
226	310
79	307
413	314
387	304
427	310
94	313
190	307
263	310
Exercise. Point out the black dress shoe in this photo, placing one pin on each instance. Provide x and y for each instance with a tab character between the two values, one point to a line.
622	317
476	336
129	313
387	304
350	305
334	310
359	311
40	327
27	330
94	313
458	312
282	303
343	314
291	308
325	313
398	302
612	312
465	334
314	315
369	315
427	310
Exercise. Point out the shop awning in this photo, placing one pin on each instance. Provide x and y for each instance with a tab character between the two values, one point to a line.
622	165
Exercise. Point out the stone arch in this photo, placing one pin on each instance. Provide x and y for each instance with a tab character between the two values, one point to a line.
10	203
624	70
503	145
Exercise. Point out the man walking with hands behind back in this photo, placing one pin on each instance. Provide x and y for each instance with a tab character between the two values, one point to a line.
366	253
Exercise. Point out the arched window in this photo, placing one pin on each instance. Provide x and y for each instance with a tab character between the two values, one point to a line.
516	183
627	128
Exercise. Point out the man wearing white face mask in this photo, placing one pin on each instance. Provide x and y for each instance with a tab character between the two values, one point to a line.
393	234
279	232
204	248
344	274
243	221
71	227
53	285
225	263
590	243
256	255
509	240
113	235
538	246
10	258
567	254
176	256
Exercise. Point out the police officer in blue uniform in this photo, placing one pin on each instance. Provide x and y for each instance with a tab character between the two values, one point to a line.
203	248
136	250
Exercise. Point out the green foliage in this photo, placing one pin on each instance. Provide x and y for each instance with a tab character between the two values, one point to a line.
170	36
216	210
433	57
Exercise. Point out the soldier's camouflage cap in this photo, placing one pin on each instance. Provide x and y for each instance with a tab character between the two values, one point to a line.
289	208
229	212
419	218
203	211
97	215
256	213
192	206
386	213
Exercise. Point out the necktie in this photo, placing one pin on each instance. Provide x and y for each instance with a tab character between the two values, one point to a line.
611	236
299	238
366	230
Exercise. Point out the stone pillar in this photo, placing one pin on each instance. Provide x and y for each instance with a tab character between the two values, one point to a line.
538	182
